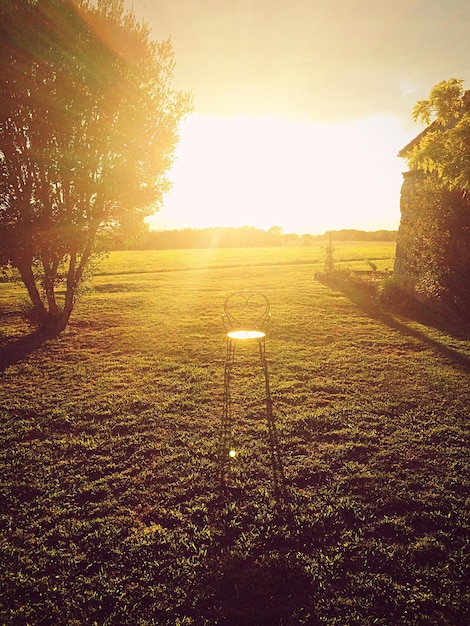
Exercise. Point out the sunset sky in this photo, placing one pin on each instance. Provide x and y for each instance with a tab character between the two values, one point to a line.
301	105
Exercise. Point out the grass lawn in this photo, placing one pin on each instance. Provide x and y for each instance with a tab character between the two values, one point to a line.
112	511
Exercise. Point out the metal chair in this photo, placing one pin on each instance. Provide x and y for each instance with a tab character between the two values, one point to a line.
246	317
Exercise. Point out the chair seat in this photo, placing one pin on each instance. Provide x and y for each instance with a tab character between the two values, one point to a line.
246	334
246	316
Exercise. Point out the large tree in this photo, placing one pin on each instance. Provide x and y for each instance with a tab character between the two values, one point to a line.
88	128
434	235
444	147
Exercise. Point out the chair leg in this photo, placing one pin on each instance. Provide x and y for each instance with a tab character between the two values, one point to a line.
225	441
226	432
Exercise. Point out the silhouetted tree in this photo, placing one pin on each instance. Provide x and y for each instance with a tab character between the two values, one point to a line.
88	128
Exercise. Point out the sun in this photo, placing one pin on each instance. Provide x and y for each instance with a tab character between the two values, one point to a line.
303	177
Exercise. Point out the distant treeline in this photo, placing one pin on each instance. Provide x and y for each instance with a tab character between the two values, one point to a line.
244	237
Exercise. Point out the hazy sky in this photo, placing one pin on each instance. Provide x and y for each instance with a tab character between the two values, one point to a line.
328	71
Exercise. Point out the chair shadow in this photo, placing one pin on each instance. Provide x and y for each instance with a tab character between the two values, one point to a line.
275	450
279	484
250	591
367	301
16	350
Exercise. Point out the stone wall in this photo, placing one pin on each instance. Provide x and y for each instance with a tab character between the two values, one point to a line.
404	268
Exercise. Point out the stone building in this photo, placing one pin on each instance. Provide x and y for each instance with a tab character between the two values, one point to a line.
432	259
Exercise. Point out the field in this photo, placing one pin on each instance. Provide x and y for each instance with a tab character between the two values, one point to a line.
112	508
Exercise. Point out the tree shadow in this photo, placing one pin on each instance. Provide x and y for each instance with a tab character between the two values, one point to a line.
360	293
16	350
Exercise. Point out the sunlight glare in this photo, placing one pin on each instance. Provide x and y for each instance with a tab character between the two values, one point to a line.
303	177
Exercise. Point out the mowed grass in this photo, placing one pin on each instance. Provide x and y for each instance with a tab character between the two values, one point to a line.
381	253
111	505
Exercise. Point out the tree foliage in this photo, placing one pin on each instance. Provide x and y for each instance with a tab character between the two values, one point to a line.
445	147
88	127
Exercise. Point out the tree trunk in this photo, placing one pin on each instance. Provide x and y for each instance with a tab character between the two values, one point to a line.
39	311
50	276
59	323
55	325
50	322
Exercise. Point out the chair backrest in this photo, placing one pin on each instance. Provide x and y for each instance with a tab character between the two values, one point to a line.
246	311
